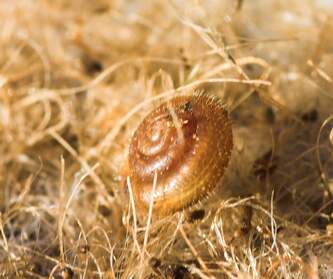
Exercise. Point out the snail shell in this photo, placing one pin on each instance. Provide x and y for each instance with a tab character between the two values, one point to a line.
187	142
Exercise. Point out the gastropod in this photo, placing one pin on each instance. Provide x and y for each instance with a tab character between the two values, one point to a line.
184	147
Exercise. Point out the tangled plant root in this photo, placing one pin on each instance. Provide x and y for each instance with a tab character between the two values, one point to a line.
76	78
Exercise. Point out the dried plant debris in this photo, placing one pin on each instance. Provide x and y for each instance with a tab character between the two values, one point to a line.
76	79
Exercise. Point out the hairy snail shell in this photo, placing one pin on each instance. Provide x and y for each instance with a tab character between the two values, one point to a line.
186	143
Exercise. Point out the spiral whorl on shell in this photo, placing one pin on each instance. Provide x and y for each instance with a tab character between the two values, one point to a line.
186	142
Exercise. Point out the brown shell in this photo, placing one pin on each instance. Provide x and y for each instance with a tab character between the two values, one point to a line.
187	141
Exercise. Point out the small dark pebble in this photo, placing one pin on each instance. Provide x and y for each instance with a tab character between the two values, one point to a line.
196	215
310	116
105	211
93	67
